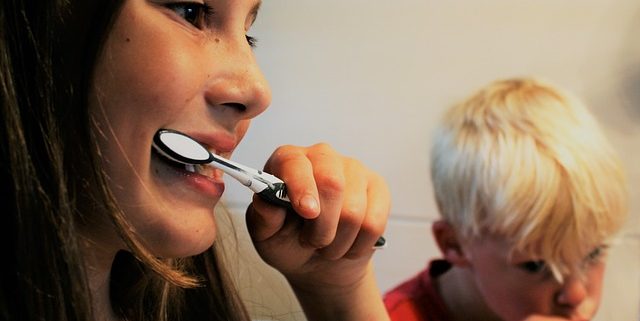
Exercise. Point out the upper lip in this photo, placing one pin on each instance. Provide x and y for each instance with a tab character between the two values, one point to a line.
222	143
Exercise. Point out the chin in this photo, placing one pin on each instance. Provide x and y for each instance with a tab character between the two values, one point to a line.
185	247
182	239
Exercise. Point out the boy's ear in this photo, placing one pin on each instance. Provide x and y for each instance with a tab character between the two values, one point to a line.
449	244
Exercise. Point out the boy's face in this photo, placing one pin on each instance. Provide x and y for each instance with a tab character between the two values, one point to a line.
517	286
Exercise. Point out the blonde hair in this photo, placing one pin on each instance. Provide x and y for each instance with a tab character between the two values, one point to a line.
521	160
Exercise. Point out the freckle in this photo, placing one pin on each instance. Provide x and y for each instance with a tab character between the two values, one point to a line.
128	39
217	39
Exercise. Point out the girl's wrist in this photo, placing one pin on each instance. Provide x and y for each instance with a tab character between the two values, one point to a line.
361	300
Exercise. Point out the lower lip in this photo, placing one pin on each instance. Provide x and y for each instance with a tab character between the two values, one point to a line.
203	185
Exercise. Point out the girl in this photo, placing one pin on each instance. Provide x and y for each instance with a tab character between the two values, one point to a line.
99	227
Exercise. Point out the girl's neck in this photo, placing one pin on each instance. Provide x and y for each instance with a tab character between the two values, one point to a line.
98	266
461	296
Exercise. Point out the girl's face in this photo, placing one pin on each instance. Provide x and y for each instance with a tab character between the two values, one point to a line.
187	66
517	286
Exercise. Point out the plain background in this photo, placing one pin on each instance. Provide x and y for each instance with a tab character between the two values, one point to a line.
373	77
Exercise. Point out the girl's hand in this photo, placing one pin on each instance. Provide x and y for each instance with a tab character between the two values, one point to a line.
324	245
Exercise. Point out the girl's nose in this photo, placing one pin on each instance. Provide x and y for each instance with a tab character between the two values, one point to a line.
236	83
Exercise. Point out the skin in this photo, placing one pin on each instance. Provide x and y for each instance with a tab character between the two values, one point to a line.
162	69
156	72
503	287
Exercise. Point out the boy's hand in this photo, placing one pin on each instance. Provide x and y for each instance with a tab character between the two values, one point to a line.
324	246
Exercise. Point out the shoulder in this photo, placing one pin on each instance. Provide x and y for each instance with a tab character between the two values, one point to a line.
417	299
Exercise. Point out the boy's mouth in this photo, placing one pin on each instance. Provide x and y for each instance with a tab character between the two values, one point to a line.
586	309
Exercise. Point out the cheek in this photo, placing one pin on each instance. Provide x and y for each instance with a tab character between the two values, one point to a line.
142	82
242	128
148	69
513	297
133	84
595	278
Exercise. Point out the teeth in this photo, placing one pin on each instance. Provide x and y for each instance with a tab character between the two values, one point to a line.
203	170
208	171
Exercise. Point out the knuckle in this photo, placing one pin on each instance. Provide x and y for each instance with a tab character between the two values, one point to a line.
323	147
351	215
284	152
330	184
378	178
354	163
281	155
372	227
322	240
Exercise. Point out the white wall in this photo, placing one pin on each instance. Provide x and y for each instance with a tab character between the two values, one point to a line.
372	78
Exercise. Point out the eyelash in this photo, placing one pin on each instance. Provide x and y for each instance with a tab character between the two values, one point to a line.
596	254
535	267
203	13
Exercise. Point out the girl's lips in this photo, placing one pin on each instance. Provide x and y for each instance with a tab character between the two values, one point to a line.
207	185
222	142
211	184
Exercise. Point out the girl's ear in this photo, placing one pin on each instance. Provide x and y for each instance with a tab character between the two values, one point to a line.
449	244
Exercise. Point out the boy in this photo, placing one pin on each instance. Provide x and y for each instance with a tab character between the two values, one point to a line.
531	194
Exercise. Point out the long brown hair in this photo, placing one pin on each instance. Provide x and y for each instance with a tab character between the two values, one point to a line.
48	50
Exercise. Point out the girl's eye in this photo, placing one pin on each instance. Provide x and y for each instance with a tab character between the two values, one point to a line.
251	41
533	267
194	13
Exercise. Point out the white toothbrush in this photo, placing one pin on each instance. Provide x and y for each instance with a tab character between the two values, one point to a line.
183	149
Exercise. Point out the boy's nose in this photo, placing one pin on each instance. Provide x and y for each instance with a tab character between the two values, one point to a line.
572	292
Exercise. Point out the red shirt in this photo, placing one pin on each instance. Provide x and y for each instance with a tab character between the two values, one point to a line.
417	299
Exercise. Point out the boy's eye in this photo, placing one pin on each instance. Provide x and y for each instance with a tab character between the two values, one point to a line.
533	267
596	254
194	13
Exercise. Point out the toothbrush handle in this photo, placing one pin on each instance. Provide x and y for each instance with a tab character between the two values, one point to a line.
278	196
381	243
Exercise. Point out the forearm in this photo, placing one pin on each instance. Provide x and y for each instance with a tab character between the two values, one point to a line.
361	302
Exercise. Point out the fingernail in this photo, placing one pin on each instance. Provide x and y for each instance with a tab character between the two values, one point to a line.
309	202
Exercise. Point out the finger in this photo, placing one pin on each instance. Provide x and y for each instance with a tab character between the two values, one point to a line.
264	220
352	213
295	169
375	220
328	172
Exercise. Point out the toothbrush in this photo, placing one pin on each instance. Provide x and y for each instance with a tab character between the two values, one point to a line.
183	149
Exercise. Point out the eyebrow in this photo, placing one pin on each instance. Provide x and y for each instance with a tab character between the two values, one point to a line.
254	11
